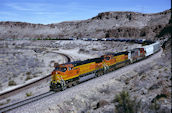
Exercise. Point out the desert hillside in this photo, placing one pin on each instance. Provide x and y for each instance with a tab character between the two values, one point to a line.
148	82
106	24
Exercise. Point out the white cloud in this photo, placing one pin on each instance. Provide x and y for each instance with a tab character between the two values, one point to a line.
37	7
28	6
49	13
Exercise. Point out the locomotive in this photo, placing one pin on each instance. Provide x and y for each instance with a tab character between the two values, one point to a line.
72	73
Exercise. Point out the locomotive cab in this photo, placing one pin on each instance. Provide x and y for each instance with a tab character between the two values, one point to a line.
62	72
61	75
57	77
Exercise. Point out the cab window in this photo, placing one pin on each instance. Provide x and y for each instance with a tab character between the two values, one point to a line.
107	58
70	68
63	69
57	68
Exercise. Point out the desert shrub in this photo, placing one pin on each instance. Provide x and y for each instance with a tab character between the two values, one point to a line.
14	75
29	94
35	76
154	86
8	100
12	83
39	39
28	73
5	102
165	69
124	104
94	49
28	77
159	96
107	35
83	51
155	106
142	33
2	103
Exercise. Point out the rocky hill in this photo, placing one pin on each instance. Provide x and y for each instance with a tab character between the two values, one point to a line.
106	24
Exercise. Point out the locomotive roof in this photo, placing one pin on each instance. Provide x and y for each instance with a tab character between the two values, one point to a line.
97	60
116	54
77	63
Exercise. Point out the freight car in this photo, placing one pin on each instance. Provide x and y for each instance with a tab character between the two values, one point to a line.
152	48
72	73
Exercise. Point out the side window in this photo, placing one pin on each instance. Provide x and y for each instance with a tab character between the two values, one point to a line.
63	69
70	68
57	68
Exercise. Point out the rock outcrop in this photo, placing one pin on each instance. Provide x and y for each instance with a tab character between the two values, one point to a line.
106	24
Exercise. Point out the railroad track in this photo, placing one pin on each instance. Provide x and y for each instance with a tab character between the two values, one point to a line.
31	99
29	85
24	102
68	58
27	101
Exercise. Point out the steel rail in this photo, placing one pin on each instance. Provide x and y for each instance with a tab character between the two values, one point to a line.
31	99
24	102
36	82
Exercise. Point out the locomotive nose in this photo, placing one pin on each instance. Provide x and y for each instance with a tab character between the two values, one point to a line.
53	76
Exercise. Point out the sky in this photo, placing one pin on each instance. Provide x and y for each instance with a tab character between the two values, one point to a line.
55	11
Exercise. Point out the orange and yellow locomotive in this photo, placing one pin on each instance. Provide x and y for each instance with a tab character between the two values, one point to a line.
72	73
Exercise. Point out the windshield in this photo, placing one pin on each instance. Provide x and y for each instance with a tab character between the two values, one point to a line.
62	69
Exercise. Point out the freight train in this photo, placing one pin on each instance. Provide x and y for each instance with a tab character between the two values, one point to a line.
72	73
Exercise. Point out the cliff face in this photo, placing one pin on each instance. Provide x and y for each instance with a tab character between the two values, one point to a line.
106	24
